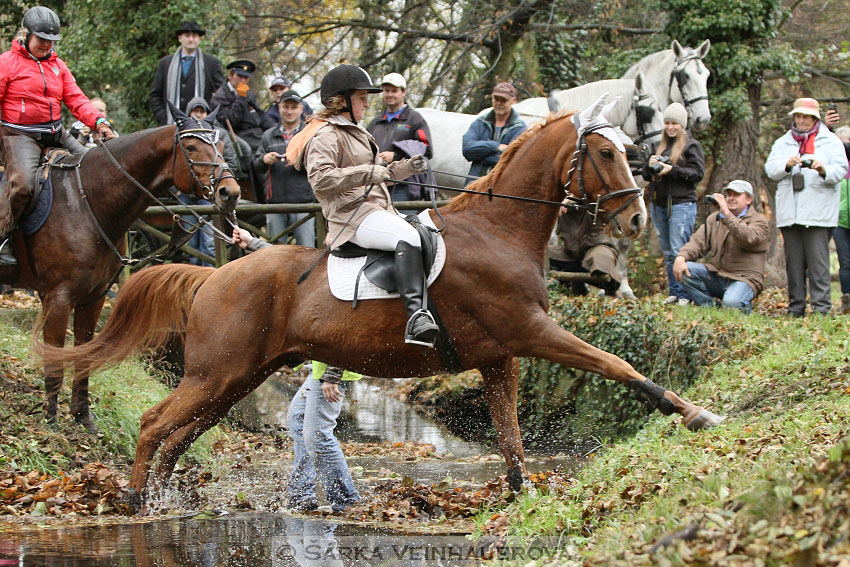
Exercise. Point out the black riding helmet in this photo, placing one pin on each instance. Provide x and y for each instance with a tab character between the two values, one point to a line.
42	22
343	80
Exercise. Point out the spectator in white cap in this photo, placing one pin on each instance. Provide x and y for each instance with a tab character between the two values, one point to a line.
736	238
808	162
675	167
399	122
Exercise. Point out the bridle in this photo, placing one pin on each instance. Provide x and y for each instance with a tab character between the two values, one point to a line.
582	202
679	75
208	136
643	116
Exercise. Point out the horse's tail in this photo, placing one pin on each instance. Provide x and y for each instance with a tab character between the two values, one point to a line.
152	305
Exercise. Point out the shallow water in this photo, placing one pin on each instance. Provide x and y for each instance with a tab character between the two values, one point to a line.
260	538
247	539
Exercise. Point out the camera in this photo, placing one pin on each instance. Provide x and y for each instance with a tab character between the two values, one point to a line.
656	168
806	163
710	200
832	106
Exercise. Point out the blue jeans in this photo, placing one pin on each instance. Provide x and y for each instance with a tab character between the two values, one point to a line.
202	240
311	420
673	233
841	236
703	286
305	235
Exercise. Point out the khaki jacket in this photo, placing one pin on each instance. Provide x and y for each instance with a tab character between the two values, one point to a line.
737	246
339	159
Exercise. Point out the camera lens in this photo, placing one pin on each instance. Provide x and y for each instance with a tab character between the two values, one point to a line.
806	163
710	200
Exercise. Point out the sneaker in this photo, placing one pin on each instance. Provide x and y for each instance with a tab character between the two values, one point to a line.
671	299
683	301
308	505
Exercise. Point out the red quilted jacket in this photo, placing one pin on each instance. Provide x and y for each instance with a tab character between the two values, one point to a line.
31	91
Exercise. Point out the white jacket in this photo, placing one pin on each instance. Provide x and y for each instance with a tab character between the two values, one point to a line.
817	204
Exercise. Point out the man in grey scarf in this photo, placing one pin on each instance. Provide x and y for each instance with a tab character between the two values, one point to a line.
185	74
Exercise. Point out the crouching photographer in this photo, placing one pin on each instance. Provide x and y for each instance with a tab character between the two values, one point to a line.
736	238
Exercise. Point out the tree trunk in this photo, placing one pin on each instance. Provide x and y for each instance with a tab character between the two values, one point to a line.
739	158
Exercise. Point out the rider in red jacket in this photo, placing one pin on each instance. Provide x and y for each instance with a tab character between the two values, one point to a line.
34	83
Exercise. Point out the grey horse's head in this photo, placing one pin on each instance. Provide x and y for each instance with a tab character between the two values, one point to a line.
689	82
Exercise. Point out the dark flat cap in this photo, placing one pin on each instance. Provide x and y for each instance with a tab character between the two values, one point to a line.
190	26
242	67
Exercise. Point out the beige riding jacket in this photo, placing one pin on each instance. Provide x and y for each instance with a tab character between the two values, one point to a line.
339	161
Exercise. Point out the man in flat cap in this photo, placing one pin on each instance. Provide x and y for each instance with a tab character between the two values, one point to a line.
237	105
492	131
185	74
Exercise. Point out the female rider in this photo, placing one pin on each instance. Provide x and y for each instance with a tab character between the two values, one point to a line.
347	175
33	84
673	191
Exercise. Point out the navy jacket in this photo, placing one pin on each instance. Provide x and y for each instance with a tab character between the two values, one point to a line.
481	149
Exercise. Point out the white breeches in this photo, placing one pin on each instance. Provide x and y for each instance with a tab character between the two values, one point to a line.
383	230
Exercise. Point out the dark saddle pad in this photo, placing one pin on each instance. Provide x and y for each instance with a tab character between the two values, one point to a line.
41	203
379	266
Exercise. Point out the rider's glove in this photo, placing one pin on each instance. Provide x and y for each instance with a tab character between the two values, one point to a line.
104	129
242	89
404	168
378	174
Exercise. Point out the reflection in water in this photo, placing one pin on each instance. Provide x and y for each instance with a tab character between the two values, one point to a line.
250	540
369	414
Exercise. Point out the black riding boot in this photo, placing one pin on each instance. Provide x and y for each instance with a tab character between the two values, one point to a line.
410	279
7	252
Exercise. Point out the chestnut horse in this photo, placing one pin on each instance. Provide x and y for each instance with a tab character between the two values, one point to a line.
250	317
68	261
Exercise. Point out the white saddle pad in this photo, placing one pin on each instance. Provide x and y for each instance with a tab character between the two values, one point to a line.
342	272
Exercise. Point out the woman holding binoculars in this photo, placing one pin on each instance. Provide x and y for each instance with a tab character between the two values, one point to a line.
674	169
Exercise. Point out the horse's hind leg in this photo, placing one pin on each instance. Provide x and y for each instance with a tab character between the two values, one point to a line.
85	320
500	389
56	314
551	342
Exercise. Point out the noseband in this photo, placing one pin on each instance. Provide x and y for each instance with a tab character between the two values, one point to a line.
679	75
583	202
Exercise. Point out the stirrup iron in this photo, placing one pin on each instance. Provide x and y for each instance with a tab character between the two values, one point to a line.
410	339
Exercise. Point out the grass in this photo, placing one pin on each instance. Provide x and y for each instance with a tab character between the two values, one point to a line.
118	396
784	385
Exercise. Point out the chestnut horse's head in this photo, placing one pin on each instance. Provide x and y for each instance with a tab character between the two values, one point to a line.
203	170
599	179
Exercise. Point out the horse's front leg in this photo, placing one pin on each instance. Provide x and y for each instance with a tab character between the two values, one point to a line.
548	340
500	389
85	320
54	325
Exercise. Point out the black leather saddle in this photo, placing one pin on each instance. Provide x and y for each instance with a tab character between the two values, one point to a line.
378	268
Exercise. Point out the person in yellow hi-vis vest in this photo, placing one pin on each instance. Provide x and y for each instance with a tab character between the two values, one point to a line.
311	421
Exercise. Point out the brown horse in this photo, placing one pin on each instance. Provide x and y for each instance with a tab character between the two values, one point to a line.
68	262
250	317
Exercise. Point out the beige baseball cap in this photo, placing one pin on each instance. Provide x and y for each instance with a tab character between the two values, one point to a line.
395	80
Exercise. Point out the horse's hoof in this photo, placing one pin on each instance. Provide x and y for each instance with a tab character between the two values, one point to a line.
87	422
705	420
133	500
515	480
